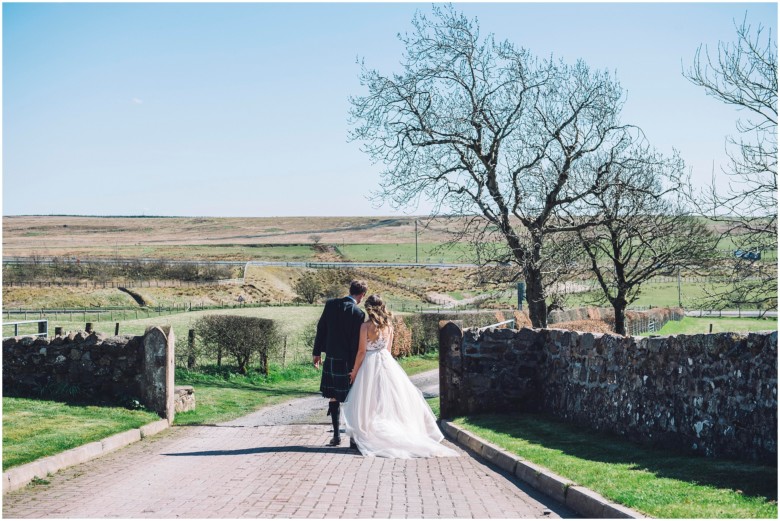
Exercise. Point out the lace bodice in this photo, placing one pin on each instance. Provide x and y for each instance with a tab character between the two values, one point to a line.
377	344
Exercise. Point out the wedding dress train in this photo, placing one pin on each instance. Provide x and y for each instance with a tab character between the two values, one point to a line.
386	415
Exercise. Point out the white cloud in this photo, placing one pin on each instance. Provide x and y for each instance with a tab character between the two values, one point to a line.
138	101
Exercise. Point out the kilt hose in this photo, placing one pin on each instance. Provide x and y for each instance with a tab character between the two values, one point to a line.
335	378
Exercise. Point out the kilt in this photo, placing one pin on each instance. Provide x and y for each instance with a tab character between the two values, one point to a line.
335	378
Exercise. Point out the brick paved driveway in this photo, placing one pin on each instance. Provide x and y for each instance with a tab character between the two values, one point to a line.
247	469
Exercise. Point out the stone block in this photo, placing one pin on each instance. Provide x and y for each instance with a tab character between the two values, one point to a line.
504	460
150	429
543	480
120	440
19	477
449	430
469	440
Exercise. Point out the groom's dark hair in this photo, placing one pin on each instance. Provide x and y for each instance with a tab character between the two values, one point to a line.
357	287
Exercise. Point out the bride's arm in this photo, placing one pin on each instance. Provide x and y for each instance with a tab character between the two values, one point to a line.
390	340
361	354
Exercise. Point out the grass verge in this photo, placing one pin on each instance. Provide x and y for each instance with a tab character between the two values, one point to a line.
35	429
222	394
659	483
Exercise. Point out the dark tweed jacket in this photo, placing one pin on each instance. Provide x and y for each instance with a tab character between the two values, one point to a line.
338	330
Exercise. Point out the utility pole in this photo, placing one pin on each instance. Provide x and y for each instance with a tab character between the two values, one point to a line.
416	256
679	288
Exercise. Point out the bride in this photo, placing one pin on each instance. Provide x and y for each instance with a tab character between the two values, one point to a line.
385	414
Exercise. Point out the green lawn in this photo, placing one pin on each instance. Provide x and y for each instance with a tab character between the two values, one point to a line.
695	325
659	483
222	395
33	429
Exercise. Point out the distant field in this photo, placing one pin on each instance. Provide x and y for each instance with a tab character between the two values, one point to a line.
694	325
173	236
659	295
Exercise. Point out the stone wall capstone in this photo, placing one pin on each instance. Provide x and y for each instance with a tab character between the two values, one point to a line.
711	394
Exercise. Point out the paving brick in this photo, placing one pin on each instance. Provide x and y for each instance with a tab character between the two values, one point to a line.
271	471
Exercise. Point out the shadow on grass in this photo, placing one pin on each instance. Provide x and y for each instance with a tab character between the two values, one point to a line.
751	479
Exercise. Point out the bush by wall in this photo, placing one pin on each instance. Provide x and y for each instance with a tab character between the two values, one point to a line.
243	338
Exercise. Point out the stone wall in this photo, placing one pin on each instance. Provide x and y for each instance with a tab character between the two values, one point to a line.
94	367
711	394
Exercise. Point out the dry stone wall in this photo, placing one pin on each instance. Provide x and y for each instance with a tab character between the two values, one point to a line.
94	367
711	394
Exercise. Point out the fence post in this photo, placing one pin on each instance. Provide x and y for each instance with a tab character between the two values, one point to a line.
88	327
191	349
58	331
116	329
284	352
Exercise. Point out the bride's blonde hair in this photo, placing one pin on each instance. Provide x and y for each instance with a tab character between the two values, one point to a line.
377	312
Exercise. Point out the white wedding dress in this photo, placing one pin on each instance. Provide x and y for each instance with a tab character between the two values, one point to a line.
386	415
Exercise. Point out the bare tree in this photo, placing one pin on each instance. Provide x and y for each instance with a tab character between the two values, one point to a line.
644	232
744	75
315	239
482	128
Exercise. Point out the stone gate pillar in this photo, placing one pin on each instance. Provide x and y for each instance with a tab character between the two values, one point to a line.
158	372
450	366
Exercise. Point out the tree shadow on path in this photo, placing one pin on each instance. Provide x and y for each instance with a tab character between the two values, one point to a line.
268	450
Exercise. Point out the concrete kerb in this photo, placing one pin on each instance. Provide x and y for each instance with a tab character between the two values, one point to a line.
21	476
582	500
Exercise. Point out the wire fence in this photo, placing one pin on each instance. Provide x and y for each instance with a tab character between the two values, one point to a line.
124	283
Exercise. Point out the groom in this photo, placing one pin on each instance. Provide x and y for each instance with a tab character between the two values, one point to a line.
337	335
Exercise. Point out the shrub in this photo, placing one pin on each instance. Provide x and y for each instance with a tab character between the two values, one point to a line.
402	339
425	327
309	287
240	337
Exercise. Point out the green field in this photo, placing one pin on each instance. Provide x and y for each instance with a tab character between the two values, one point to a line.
695	325
657	295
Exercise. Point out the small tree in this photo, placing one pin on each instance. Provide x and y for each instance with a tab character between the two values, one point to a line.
744	75
643	233
241	337
309	287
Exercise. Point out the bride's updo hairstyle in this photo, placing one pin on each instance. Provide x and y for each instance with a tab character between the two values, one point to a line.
377	312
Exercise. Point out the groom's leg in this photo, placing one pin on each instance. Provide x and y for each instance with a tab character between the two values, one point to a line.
334	410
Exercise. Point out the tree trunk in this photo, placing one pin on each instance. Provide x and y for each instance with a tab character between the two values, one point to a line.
619	305
537	307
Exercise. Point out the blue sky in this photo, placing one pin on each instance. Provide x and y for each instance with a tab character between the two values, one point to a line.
241	109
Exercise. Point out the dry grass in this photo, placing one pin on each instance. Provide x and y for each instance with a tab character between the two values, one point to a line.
69	235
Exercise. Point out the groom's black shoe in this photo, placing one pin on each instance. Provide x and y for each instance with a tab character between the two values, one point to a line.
334	411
